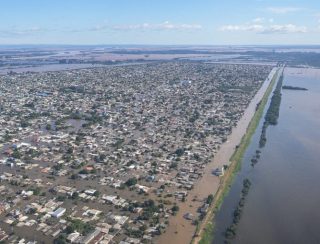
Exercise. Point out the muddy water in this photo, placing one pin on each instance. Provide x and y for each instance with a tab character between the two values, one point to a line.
282	205
180	231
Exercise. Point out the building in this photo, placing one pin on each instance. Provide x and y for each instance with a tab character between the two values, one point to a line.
58	213
218	172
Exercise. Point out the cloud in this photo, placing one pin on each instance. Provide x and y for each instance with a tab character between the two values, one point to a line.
13	32
165	26
258	20
284	29
256	28
266	29
282	10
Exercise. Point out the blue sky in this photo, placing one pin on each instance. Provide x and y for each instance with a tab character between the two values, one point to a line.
208	22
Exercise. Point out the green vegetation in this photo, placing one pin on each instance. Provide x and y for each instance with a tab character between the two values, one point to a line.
272	115
175	209
76	116
62	239
131	182
75	225
24	124
16	153
48	126
36	190
135	233
273	111
207	235
230	232
294	88
236	159
209	199
7	137
80	226
61	198
194	117
179	152
149	209
255	158
173	165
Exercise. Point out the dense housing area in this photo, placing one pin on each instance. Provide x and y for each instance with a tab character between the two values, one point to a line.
106	154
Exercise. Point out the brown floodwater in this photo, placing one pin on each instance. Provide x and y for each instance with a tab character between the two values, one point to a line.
282	204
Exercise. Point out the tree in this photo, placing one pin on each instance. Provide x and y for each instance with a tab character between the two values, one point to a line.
24	124
132	181
173	165
179	152
230	232
74	176
61	198
143	227
36	190
75	195
175	208
16	153
60	240
210	199
80	226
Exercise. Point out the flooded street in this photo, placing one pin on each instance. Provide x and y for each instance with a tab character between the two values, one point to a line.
282	204
180	231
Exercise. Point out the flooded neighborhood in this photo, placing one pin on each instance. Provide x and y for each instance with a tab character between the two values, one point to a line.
111	154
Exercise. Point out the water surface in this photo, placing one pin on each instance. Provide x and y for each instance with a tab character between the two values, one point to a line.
282	205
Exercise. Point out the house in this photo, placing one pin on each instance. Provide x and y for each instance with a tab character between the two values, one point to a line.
188	216
143	189
204	208
73	236
58	213
91	236
218	172
109	199
90	192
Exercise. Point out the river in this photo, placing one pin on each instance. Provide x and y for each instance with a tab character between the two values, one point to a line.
282	204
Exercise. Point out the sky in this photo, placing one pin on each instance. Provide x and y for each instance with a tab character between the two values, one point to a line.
160	22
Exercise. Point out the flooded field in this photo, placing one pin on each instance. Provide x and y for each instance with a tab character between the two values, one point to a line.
282	204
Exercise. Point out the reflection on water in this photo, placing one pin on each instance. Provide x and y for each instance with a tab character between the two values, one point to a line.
282	205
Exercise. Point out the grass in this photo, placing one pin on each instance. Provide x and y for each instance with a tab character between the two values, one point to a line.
206	232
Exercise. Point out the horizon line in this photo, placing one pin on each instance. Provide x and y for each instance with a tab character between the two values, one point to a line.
167	45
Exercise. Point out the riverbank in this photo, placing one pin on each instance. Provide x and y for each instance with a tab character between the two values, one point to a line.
181	231
204	232
281	206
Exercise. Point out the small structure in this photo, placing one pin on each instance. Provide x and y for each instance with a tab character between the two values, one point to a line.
188	216
58	213
218	172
